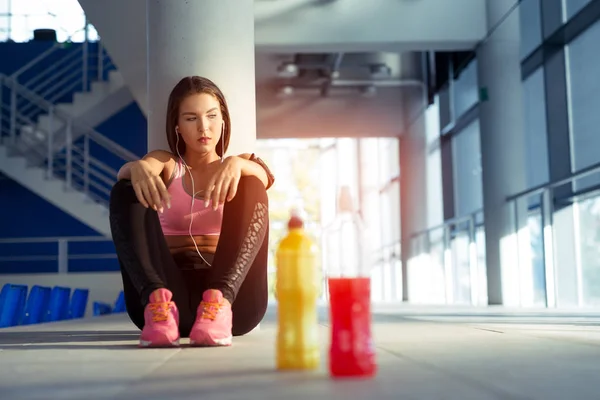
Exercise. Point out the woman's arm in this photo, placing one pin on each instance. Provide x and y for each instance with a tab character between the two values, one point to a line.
155	161
147	178
253	166
223	185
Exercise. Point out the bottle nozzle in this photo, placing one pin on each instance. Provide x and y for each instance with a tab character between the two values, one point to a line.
345	203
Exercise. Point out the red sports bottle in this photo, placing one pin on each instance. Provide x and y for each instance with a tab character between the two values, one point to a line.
352	353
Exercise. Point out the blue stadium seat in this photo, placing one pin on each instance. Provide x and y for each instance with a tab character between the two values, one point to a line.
101	308
120	304
79	303
3	293
59	304
37	305
13	305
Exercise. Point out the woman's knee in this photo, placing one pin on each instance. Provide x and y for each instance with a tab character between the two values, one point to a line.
251	187
245	320
121	191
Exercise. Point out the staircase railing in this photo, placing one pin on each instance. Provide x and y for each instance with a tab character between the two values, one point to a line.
63	69
16	254
88	164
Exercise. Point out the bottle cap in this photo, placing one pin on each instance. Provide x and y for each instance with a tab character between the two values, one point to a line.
295	221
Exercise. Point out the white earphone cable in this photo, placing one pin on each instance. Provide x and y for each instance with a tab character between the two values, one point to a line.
192	204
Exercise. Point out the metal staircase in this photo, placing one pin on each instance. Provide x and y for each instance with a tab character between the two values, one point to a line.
47	110
81	83
60	160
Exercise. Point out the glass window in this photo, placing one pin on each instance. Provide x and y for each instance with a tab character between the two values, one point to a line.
66	17
583	64
531	26
394	212
390	200
445	107
536	141
588	233
389	157
369	148
465	91
461	271
466	153
572	7
435	214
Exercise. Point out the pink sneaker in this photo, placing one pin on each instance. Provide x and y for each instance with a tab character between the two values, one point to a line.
161	328
213	321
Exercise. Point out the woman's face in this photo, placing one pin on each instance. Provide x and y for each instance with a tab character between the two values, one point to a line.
200	123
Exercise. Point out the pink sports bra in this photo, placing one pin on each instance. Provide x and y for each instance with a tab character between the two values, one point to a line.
176	220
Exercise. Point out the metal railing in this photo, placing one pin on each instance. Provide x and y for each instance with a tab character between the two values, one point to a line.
386	271
63	69
547	203
86	160
472	220
522	208
61	254
423	242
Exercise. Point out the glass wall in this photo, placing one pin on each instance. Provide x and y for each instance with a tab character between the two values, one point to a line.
299	180
559	265
583	61
531	26
385	198
447	263
435	206
536	140
310	176
19	19
561	134
465	92
466	155
583	64
572	7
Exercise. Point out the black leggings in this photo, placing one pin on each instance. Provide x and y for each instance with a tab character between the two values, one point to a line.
239	266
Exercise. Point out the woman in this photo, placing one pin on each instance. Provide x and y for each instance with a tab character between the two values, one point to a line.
190	228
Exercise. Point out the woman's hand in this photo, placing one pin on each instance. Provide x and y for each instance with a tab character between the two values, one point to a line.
149	187
223	185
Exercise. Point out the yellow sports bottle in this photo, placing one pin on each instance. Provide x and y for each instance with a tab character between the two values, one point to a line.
297	291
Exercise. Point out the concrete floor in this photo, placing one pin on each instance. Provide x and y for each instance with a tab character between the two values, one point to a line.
423	353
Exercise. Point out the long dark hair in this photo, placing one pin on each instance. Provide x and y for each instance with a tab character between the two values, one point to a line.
188	86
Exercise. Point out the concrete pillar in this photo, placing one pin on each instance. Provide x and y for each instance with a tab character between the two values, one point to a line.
214	39
502	148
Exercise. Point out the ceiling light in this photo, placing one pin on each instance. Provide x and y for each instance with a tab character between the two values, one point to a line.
287	70
380	71
285	91
368	91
